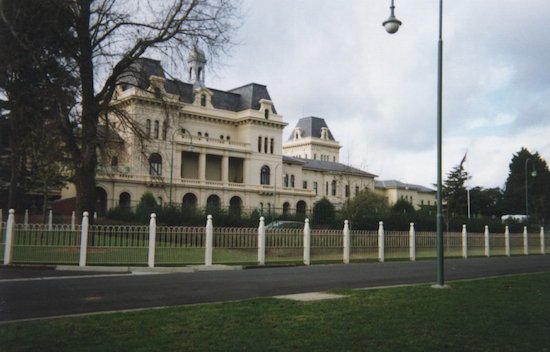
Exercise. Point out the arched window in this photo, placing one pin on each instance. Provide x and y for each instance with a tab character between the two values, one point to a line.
125	200
213	202
155	164
156	130
164	130
264	175
203	100
272	145
285	180
189	201
333	188
265	145
286	208
235	205
292	181
301	208
148	128
266	113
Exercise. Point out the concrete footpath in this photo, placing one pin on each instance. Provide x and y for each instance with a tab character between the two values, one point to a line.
54	293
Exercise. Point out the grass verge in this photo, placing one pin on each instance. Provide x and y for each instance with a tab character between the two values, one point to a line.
502	314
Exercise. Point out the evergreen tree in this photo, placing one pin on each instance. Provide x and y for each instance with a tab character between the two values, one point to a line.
528	177
454	191
323	212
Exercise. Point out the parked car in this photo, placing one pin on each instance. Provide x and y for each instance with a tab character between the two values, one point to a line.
283	224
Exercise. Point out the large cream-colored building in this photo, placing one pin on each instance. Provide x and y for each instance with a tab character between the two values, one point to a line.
209	147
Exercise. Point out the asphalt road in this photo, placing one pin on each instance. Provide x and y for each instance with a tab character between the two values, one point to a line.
38	293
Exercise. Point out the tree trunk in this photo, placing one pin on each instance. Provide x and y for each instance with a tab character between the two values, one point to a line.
86	173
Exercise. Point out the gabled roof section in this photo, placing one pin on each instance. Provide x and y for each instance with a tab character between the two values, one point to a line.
311	127
238	99
389	184
327	166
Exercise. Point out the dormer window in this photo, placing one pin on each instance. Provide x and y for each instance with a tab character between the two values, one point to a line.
203	99
324	133
266	114
297	133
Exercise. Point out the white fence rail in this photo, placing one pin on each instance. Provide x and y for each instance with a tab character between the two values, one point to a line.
161	245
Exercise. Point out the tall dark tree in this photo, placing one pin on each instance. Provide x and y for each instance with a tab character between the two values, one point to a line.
528	180
485	201
454	191
36	87
108	36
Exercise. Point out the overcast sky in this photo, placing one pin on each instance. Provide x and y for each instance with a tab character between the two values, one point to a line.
377	92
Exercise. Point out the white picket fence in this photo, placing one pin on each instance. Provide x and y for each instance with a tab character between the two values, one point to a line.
154	245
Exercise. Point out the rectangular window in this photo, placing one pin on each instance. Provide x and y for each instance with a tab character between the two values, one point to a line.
304	184
272	145
259	144
326	188
265	145
156	130
333	188
315	186
347	191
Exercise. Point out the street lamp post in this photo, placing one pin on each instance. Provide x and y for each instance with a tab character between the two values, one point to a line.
392	25
533	173
182	130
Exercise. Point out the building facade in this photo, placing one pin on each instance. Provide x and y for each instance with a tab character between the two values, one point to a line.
195	146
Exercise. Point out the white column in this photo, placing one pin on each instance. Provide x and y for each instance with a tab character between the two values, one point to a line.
50	220
525	241
307	243
542	244
381	241
464	242
487	245
412	242
152	240
84	239
507	240
202	166
346	242
73	221
209	241
9	237
261	242
246	164
225	169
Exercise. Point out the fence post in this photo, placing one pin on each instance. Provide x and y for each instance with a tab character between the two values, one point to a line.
26	219
542	244
9	237
307	243
152	240
209	241
261	242
507	240
525	241
412	242
487	244
84	239
464	242
50	220
346	242
381	241
73	221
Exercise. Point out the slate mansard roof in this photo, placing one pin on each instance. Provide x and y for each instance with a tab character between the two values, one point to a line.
326	166
238	99
311	127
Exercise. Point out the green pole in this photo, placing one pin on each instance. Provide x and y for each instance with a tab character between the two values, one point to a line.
439	220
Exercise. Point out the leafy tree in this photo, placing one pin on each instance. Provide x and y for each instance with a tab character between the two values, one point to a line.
485	201
147	205
403	207
454	191
531	171
324	212
365	209
107	37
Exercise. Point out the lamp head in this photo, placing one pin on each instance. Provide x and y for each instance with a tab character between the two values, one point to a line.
392	23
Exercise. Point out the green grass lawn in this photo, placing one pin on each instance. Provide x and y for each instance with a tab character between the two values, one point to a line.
504	314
